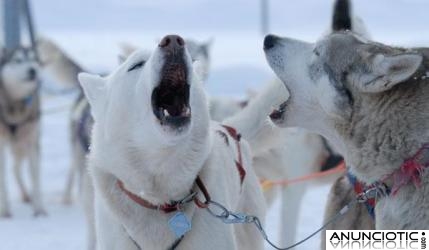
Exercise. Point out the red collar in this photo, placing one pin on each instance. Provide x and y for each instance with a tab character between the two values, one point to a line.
173	206
177	205
410	171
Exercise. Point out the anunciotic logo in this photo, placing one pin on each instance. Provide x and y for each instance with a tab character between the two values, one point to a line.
376	239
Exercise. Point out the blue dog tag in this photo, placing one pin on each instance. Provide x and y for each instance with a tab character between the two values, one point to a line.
179	224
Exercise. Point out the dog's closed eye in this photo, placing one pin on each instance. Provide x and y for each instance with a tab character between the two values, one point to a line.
136	66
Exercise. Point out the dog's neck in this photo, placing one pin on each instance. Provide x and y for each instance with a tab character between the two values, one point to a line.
387	129
17	112
159	174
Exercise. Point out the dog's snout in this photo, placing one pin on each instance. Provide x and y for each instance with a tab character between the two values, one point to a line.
270	41
172	42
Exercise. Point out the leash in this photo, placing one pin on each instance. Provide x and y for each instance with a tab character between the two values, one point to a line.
268	184
228	217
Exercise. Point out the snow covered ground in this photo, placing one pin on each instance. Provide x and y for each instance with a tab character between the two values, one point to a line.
90	31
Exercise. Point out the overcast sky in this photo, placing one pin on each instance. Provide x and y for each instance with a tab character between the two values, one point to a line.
229	15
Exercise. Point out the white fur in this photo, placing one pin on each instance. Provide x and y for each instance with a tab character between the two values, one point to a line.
280	154
160	165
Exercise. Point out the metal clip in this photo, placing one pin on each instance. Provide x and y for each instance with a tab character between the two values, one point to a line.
217	210
378	190
235	218
367	195
187	199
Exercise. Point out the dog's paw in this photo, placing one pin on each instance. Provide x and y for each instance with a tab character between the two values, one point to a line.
40	213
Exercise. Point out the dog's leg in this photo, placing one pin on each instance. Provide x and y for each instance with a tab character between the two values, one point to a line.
4	201
67	197
87	196
34	162
17	169
291	197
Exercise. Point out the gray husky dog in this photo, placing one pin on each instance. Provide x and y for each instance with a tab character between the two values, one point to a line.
370	100
360	216
19	124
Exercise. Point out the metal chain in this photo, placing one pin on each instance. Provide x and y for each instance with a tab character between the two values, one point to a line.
228	217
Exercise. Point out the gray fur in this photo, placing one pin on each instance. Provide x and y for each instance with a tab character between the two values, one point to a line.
378	114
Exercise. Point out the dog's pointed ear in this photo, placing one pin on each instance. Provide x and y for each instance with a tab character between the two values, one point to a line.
391	70
95	90
121	58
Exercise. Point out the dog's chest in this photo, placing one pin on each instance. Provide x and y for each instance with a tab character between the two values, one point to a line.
18	119
406	210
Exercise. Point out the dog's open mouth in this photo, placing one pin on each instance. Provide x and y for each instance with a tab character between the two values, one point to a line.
170	99
278	114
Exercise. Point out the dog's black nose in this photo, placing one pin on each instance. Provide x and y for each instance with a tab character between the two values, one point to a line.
32	73
270	41
172	42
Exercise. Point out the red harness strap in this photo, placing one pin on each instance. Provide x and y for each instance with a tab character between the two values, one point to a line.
360	188
411	170
233	133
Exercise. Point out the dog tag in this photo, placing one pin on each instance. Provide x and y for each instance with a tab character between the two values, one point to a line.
179	224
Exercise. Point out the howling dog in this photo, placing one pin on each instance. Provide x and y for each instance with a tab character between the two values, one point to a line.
59	65
19	124
370	100
285	154
152	146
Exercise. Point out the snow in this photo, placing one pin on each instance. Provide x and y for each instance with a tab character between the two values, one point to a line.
90	31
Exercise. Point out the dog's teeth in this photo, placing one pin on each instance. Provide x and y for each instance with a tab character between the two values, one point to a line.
166	113
187	111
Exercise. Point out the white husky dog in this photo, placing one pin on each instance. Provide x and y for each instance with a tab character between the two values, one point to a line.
64	69
152	141
19	124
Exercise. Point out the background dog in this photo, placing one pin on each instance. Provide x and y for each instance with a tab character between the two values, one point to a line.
19	125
